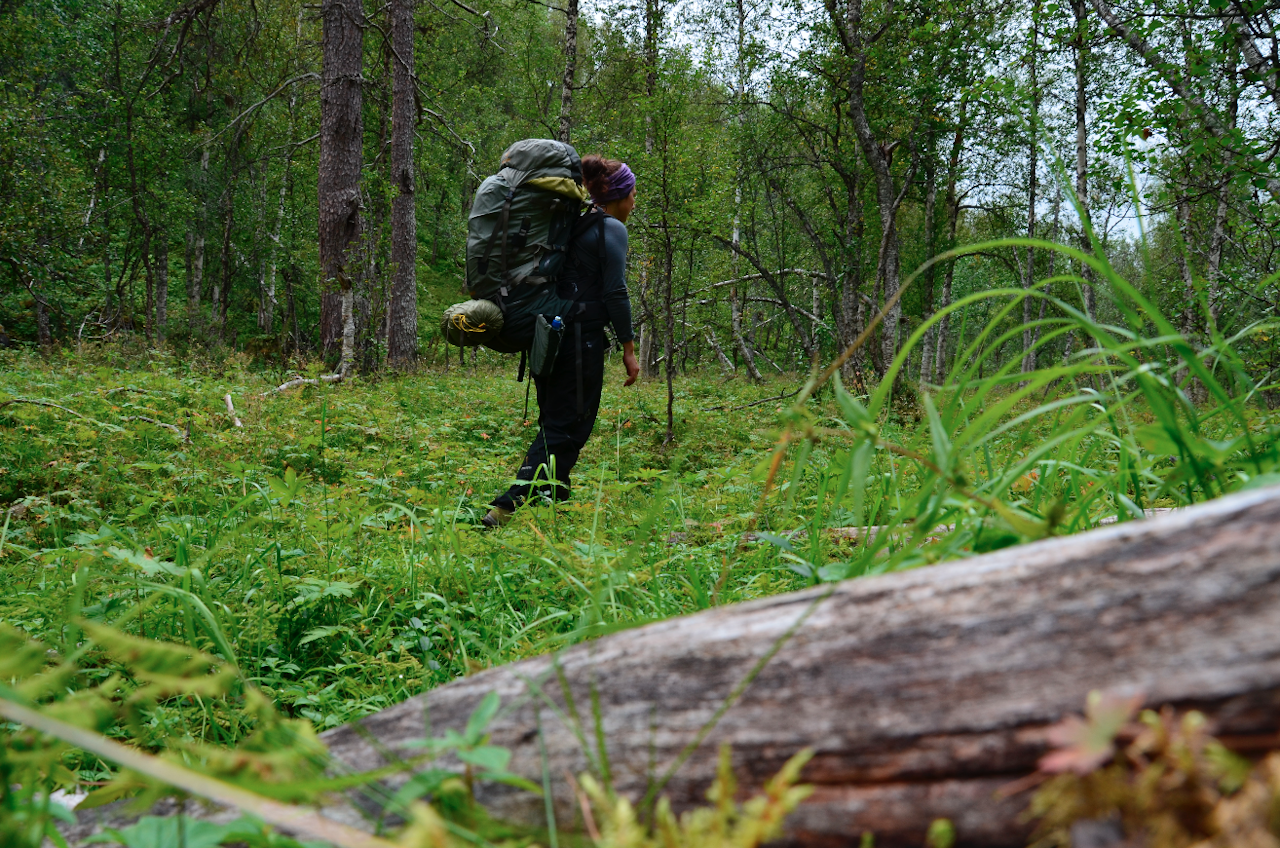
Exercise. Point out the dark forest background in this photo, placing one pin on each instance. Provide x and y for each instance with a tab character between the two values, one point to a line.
159	166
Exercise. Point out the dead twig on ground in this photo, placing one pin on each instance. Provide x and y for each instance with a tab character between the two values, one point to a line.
783	396
305	381
231	410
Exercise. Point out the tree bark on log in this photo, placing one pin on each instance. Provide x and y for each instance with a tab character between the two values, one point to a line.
922	692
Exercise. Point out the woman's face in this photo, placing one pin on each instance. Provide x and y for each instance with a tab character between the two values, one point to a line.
621	208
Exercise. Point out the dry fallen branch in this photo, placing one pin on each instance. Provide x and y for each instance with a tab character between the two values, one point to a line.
305	381
923	692
292	819
782	396
44	403
51	405
231	410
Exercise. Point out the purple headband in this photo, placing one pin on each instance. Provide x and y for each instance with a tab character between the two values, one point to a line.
621	182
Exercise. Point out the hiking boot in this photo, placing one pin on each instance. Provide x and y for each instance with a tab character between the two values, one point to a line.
496	517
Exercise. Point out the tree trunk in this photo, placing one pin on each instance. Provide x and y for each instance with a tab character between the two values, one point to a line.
1213	270
880	159
850	324
402	317
953	210
348	329
1053	259
1081	54
161	264
725	363
195	240
921	692
649	325
148	271
44	332
268	305
735	317
570	68
341	144
931	250
1033	149
222	284
1189	299
106	234
1213	261
669	337
293	342
735	304
652	32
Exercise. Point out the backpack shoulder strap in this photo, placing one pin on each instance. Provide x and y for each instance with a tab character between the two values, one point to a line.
593	217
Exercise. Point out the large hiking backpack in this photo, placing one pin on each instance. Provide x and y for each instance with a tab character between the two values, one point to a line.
522	217
518	234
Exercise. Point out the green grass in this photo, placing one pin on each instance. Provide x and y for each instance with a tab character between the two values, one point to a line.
330	549
342	567
328	553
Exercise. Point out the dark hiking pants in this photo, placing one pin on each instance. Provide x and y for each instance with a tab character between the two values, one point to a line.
563	429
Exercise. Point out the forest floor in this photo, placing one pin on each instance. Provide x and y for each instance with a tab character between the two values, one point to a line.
334	538
331	549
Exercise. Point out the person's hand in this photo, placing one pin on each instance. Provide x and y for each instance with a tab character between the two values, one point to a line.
629	360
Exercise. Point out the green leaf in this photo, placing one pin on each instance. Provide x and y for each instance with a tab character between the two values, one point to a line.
168	832
855	413
287	489
317	633
422	783
512	780
1155	439
779	541
487	757
481	717
937	433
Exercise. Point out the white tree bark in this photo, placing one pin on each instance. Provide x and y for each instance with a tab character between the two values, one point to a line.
1081	53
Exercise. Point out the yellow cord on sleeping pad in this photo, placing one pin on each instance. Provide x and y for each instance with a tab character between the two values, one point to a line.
461	322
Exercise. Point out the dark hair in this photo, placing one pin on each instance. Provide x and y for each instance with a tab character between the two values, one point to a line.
596	171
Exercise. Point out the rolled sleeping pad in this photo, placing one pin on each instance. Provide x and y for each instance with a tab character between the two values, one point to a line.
473	322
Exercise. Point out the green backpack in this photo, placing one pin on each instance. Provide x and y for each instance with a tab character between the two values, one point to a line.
522	226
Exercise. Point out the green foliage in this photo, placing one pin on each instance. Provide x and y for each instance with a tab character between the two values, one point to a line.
724	823
338	567
280	760
220	591
1015	455
1163	779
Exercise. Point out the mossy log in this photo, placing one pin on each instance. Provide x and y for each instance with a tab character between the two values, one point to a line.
922	692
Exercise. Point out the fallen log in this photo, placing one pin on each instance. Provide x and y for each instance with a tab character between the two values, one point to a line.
922	692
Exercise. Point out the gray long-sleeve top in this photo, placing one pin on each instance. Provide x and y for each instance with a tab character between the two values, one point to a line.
614	274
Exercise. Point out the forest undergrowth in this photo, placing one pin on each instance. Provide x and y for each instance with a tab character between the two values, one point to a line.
327	553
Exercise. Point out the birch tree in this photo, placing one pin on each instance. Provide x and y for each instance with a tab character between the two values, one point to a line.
341	146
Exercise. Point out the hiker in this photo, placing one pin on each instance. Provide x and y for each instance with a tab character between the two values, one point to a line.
569	396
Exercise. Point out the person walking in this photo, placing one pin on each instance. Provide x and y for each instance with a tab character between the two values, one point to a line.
569	395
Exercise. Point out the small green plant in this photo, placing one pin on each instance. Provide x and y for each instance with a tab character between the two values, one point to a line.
1004	456
612	821
1161	778
279	763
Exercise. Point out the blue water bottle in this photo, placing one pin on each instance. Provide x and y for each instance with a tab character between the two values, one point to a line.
557	323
